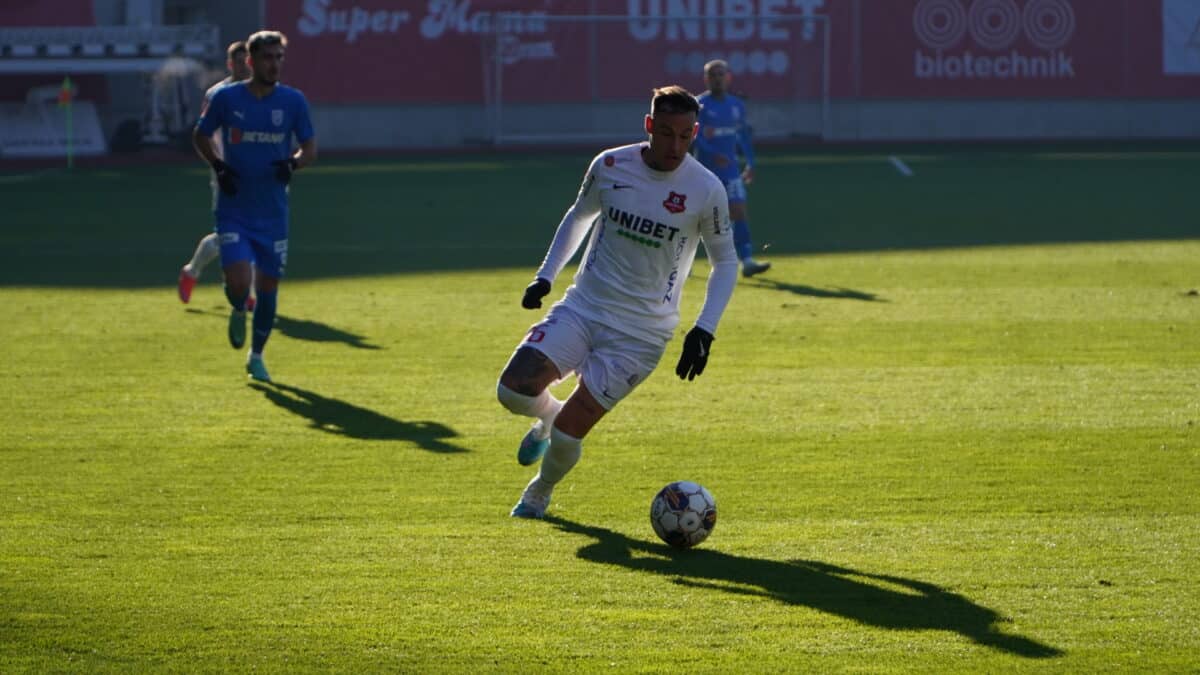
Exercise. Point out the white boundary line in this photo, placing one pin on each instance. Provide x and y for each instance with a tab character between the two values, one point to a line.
22	177
900	166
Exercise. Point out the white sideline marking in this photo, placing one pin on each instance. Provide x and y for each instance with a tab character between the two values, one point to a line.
900	166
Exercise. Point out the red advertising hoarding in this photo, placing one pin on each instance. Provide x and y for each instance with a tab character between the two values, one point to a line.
994	48
1018	49
437	51
362	51
46	13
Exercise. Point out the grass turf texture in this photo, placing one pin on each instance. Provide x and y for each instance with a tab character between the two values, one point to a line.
953	429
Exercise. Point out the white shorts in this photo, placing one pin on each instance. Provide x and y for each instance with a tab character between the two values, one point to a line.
611	363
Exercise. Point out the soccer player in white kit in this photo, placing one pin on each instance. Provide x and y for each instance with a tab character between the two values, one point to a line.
648	206
209	247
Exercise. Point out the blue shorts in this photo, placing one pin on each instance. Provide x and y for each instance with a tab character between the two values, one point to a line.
264	246
735	189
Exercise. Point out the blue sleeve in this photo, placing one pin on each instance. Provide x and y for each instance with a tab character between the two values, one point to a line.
212	116
743	137
303	127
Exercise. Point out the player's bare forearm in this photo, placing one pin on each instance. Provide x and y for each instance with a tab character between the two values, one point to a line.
307	154
204	147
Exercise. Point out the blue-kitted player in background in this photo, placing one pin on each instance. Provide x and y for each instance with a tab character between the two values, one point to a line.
258	119
723	134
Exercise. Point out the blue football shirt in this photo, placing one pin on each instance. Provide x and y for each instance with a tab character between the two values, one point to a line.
256	132
723	132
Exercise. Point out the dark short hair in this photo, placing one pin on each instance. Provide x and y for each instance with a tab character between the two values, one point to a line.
265	38
234	49
673	100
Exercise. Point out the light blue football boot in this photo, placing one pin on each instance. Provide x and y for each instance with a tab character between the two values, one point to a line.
750	267
257	370
533	447
534	501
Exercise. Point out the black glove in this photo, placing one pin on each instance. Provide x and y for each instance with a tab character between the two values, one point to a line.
696	347
534	293
225	177
284	168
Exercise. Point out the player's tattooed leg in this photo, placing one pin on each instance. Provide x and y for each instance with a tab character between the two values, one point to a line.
529	372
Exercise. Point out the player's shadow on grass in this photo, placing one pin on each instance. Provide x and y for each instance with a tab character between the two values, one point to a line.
346	419
815	292
878	600
303	329
315	331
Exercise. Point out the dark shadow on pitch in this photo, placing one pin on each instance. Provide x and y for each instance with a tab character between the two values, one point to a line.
815	292
302	329
880	600
316	331
346	419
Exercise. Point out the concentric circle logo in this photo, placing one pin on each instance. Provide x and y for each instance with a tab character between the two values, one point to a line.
1049	23
994	24
940	24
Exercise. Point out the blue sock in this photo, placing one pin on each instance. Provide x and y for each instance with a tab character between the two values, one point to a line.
238	303
741	239
264	320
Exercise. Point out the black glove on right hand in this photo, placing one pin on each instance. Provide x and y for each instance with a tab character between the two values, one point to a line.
284	168
696	347
534	293
225	177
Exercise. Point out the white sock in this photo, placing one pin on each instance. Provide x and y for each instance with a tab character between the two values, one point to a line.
543	406
562	456
206	251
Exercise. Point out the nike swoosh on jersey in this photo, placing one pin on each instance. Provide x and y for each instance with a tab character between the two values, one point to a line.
622	186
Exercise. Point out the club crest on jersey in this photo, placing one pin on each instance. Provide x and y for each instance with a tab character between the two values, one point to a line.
277	117
235	135
675	203
608	160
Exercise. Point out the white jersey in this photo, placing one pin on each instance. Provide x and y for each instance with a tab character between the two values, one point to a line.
645	227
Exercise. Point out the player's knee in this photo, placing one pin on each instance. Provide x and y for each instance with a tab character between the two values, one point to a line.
528	372
211	244
237	276
519	383
515	399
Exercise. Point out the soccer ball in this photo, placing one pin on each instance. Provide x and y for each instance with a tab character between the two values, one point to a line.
683	514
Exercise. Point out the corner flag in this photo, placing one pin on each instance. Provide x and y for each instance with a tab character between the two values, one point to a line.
65	95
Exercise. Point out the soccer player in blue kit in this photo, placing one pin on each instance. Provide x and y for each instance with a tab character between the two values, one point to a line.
723	132
258	119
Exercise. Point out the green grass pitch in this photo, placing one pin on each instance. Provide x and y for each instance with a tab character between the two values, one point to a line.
953	429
